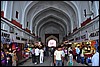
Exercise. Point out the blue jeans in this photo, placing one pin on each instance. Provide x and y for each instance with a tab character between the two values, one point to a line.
82	60
58	62
78	58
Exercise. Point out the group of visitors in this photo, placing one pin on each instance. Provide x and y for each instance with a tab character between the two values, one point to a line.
71	54
37	54
59	53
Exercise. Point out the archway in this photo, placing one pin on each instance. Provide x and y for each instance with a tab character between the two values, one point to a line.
52	42
52	38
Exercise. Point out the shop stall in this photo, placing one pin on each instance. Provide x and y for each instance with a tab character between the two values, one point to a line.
18	47
89	47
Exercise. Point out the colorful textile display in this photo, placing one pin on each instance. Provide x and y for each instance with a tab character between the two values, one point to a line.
13	46
93	42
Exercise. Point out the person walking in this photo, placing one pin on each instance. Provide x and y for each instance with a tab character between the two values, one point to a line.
74	53
82	55
33	55
41	55
37	51
95	58
66	54
44	48
70	60
58	57
63	55
78	54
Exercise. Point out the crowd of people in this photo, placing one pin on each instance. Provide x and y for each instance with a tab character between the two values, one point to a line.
63	53
37	54
60	54
71	54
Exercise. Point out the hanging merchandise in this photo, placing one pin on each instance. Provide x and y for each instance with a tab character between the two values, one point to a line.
13	46
96	45
18	49
16	44
93	42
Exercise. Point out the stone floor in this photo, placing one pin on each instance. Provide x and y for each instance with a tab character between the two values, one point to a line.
48	62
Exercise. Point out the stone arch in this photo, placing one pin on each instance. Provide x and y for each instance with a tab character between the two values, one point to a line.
61	24
25	11
52	8
75	7
31	3
52	37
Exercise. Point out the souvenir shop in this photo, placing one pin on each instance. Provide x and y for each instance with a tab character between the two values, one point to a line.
5	49
22	51
90	47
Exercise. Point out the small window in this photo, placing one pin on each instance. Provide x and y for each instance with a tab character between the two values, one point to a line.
17	14
27	24
85	12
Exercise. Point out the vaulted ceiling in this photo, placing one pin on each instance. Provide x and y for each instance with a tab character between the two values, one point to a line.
51	17
39	12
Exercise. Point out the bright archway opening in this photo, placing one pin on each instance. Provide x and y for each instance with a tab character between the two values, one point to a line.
52	43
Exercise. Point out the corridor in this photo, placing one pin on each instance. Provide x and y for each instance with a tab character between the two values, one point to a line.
47	62
32	29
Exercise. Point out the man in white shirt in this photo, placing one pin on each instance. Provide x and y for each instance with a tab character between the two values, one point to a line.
95	58
37	51
58	57
41	55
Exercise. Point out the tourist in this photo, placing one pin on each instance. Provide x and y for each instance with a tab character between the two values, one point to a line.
41	55
70	60
63	55
58	57
33	55
74	53
66	54
95	58
37	51
78	54
82	55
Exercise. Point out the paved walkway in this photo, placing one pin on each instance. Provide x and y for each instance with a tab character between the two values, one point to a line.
48	62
